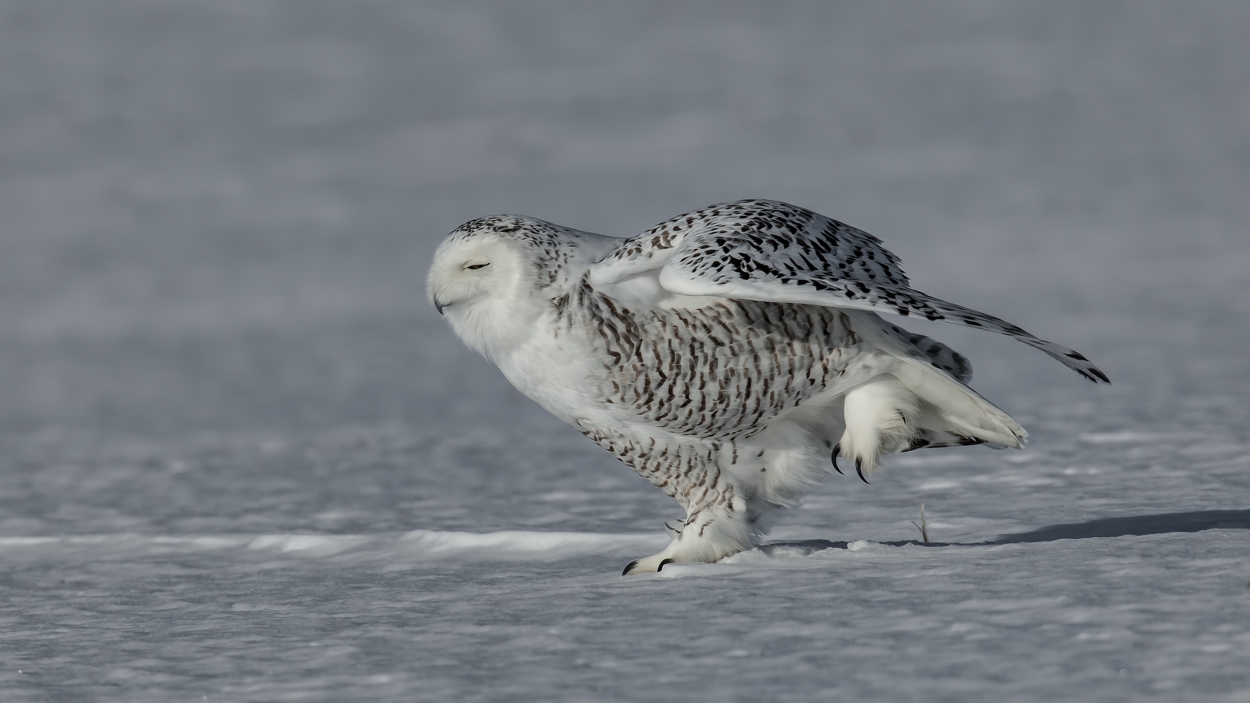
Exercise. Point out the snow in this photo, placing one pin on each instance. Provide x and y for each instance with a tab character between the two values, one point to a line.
241	459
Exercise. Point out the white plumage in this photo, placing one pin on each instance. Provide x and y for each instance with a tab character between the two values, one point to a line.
726	355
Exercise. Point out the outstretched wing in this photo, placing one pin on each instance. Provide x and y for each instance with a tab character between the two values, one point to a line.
775	252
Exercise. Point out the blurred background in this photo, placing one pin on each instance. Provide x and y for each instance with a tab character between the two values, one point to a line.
215	223
217	216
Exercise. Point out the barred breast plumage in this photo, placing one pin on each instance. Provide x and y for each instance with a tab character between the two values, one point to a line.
713	372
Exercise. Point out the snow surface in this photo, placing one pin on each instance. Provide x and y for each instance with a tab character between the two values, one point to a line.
241	459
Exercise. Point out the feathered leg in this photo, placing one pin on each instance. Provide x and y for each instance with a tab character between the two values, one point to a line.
716	526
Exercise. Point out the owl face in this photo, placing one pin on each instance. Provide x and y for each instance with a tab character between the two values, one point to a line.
483	284
468	270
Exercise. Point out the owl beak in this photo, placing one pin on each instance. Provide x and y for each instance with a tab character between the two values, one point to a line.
439	306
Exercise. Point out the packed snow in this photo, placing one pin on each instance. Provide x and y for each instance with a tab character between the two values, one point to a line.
241	458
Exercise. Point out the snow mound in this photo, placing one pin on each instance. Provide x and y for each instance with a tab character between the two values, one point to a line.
415	546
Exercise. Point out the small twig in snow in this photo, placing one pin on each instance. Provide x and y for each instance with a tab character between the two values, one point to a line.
923	526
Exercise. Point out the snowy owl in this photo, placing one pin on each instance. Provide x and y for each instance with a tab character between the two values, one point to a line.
729	355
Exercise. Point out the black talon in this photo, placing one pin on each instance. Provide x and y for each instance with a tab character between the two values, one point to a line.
836	448
660	568
629	567
859	469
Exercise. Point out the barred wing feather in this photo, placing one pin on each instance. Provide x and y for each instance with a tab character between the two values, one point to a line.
775	252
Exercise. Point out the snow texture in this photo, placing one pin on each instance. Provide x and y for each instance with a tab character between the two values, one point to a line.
242	460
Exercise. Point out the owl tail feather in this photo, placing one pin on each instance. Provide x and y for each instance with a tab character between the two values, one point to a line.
951	408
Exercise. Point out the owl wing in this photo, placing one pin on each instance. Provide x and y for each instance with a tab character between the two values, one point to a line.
775	252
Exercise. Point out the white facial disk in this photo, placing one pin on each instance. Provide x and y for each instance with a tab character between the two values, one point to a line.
484	286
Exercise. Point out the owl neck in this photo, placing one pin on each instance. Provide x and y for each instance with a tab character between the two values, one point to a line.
496	325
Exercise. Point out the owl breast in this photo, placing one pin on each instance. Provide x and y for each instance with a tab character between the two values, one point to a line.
720	371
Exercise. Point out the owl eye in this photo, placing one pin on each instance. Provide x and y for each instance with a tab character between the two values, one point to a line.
474	267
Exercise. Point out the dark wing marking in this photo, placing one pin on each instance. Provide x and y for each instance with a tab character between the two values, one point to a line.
769	251
748	233
938	354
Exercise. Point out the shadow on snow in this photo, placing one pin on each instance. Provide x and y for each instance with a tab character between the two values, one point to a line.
1136	525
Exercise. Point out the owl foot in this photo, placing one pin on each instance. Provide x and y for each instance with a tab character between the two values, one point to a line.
704	540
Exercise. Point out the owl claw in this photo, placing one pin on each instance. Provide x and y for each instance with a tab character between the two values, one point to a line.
649	565
836	448
859	469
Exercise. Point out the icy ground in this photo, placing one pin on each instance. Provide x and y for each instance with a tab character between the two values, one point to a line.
242	460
